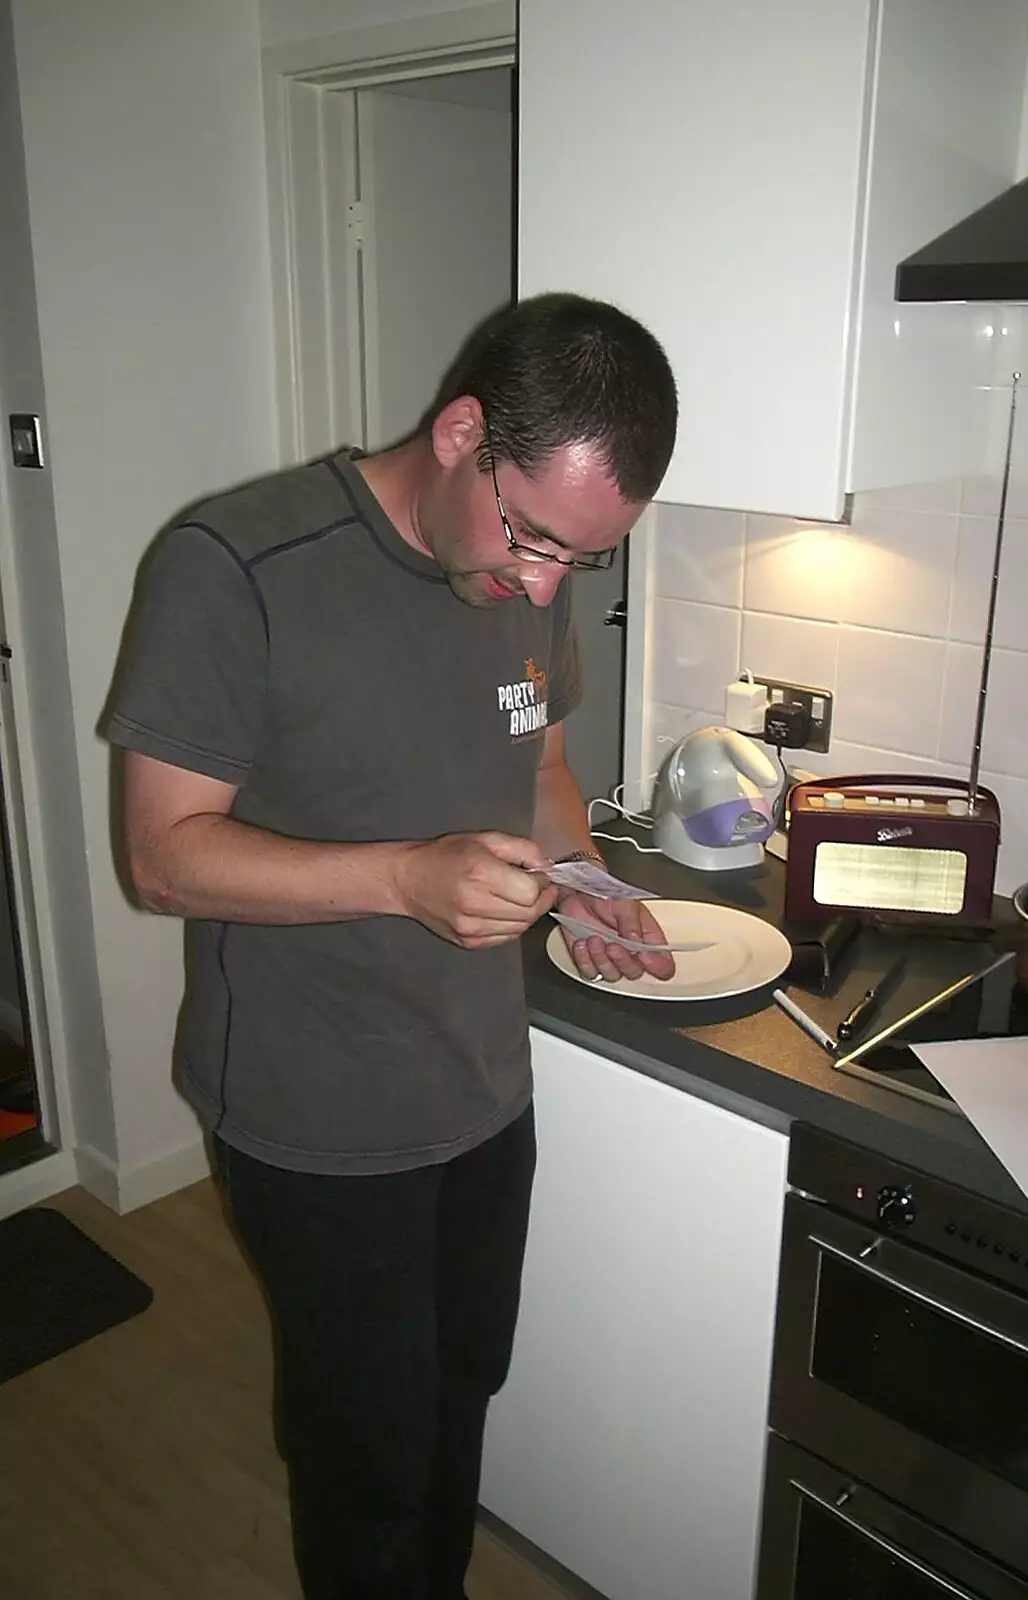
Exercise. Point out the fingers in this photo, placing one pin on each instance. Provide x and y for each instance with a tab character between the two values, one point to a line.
519	852
599	960
604	959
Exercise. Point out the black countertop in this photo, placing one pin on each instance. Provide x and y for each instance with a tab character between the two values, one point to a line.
747	1055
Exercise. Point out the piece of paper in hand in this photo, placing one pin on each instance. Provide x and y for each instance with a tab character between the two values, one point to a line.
590	930
588	878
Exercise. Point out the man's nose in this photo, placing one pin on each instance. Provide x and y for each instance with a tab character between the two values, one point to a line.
541	580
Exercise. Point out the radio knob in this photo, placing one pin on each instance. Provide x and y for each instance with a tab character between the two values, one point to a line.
896	1207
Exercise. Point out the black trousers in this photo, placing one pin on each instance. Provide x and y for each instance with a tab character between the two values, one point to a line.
393	1301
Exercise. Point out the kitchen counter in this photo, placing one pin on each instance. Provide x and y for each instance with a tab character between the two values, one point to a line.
747	1055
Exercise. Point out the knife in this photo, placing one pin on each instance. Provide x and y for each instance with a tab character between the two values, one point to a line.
872	1001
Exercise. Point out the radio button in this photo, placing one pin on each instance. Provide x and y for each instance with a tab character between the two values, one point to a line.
957	808
834	799
917	801
870	799
902	800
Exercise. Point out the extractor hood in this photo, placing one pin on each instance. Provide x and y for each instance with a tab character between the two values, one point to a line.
985	257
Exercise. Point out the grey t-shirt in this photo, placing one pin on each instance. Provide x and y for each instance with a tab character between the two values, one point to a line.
287	640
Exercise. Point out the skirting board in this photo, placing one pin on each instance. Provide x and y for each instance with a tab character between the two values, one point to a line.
127	1189
27	1186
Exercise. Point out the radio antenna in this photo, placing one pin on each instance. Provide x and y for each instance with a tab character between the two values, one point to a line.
983	687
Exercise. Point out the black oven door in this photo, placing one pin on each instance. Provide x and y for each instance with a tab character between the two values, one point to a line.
828	1538
907	1373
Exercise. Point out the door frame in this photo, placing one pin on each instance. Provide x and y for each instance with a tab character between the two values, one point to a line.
308	152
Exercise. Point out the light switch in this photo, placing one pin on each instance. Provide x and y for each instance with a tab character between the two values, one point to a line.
26	440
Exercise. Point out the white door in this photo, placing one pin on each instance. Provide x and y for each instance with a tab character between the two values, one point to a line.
436	197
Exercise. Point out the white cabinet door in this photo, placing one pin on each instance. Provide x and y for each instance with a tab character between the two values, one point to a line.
628	1442
745	177
702	165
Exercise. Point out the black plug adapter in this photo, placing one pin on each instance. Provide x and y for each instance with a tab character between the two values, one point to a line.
787	725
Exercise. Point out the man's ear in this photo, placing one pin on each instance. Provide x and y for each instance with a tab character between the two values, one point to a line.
457	431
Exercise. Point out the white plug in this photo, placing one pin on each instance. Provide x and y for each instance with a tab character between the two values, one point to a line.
745	704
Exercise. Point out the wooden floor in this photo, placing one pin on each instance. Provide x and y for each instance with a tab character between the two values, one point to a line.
140	1465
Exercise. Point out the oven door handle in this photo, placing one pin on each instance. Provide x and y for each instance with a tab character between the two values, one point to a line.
955	1315
887	1545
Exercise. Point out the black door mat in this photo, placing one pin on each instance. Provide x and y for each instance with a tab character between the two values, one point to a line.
57	1289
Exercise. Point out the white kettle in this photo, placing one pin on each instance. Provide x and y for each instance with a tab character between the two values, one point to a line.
710	808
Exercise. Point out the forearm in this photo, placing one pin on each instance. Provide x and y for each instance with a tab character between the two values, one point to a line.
212	866
561	821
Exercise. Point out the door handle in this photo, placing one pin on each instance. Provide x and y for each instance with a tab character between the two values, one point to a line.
863	1264
617	615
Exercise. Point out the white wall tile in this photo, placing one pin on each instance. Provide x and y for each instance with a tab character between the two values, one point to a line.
666	724
899	571
695	654
990	421
1005	741
794	569
859	760
976	548
786	647
698	554
889	691
941	496
959	701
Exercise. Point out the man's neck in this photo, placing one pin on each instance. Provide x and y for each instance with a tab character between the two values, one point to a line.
394	478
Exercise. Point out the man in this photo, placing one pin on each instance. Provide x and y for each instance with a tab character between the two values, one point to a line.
342	710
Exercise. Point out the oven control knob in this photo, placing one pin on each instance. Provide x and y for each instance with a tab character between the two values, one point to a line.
896	1207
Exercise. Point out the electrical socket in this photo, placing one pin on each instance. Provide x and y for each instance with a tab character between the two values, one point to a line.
817	701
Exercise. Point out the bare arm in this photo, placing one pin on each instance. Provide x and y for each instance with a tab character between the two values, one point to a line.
189	858
561	824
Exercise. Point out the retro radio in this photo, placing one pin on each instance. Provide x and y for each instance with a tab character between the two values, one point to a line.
891	843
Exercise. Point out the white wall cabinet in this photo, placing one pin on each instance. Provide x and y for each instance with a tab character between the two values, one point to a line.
745	179
629	1440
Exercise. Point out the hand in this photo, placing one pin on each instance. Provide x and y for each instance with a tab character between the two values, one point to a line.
603	957
474	889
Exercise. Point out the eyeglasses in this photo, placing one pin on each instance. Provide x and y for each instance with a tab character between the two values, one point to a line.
602	561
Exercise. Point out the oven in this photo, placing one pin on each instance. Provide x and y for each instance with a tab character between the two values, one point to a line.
898	1459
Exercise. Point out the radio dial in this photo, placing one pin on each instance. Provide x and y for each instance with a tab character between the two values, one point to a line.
896	1207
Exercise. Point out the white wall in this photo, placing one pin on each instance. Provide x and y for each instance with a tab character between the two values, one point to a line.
144	148
889	615
289	21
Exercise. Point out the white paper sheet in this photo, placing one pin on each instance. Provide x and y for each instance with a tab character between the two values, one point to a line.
988	1078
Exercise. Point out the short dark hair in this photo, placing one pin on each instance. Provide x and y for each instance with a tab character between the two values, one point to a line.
561	369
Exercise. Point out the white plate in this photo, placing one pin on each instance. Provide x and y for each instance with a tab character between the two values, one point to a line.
745	953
